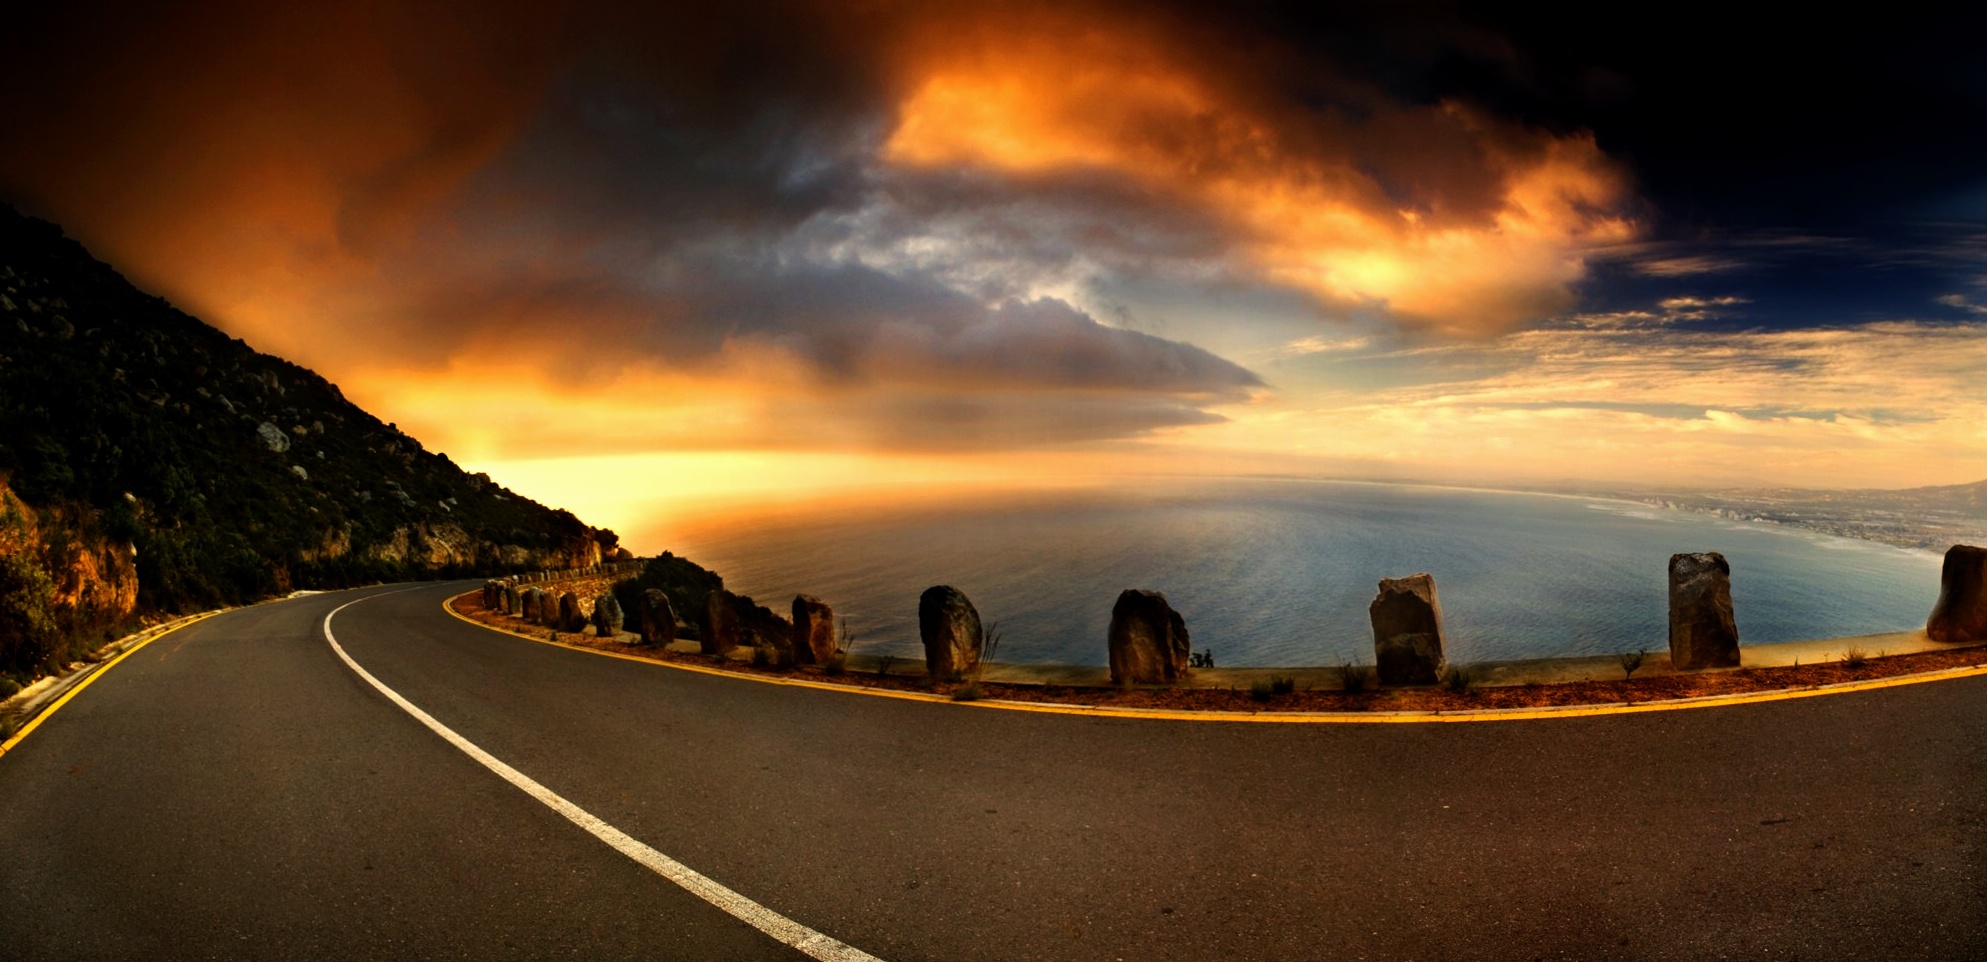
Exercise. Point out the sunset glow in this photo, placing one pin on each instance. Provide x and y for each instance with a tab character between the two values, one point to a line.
647	265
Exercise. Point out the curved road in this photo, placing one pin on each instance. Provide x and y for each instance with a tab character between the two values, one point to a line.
235	790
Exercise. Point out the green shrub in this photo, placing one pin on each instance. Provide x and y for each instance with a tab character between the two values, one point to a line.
29	637
1631	660
1355	678
762	656
1458	679
969	691
1855	657
989	647
1282	684
1260	690
883	664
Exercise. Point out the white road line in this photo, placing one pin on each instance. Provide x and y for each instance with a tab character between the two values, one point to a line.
766	920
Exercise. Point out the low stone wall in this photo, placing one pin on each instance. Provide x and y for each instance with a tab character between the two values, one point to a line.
1148	644
557	599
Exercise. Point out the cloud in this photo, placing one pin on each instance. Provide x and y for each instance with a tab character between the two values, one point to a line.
1687	265
806	226
1440	215
572	194
1888	404
1320	345
1960	302
1668	310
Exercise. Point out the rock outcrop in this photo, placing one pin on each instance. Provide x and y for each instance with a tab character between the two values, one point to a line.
1703	633
717	624
1407	631
606	616
950	628
1961	611
1148	640
658	618
92	577
813	631
272	437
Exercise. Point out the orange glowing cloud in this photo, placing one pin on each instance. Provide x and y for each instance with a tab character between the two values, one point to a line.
1351	211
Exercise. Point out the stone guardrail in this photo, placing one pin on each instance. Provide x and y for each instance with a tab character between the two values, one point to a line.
1148	641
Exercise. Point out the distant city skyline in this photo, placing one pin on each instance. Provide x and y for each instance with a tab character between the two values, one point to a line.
644	259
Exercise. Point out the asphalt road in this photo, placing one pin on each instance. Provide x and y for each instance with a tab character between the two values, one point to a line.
235	790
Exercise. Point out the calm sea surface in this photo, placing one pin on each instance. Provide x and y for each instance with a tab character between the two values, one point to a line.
1279	573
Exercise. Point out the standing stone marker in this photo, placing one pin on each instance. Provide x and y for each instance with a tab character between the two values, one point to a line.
813	631
1407	631
571	618
606	616
658	618
1961	612
531	598
511	602
717	624
949	625
1148	640
1703	633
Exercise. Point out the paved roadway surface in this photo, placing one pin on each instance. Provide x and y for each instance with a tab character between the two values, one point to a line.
234	790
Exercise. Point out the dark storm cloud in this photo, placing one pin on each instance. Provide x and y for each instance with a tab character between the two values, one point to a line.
664	180
1729	122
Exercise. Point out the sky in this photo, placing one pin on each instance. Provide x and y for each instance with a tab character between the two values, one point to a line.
650	261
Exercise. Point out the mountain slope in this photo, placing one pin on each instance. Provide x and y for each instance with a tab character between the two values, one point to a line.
148	460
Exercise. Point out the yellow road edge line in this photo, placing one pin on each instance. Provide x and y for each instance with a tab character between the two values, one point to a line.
1288	717
91	678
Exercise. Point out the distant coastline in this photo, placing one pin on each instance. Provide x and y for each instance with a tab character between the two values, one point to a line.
1924	519
1931	518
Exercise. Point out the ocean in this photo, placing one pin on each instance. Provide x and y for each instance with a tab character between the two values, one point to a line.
1279	572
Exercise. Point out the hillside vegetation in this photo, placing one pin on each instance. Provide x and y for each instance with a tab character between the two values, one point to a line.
149	462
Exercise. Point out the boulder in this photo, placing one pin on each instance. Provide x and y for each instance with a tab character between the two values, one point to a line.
1961	611
272	437
658	618
1148	640
606	616
512	603
493	594
813	631
1407	631
531	598
1702	631
548	609
571	618
717	623
950	628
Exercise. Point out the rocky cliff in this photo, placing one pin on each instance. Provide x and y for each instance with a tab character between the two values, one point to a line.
151	462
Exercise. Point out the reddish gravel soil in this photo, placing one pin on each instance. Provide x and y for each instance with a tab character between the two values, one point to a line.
1631	691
